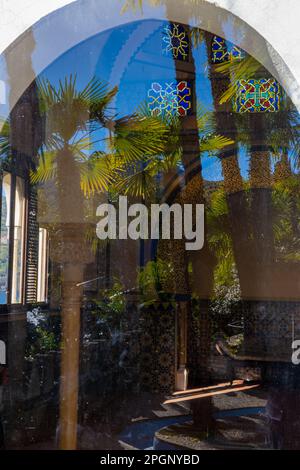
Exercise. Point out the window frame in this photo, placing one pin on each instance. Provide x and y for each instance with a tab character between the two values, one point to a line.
44	274
9	306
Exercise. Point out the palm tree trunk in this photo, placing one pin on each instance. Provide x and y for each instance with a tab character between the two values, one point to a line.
261	197
283	174
233	182
193	194
283	170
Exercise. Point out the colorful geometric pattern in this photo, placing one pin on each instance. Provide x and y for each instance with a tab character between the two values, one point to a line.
170	99
236	53
219	50
176	41
222	51
257	96
157	349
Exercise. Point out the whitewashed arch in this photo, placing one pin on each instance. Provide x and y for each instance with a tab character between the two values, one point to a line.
49	28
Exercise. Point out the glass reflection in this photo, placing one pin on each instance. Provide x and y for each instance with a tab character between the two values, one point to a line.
108	339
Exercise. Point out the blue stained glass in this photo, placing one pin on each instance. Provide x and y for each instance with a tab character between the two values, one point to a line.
223	51
170	99
176	41
219	50
257	96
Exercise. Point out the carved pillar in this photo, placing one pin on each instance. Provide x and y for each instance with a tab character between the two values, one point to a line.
70	249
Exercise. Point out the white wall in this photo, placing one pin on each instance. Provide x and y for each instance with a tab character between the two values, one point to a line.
18	15
276	20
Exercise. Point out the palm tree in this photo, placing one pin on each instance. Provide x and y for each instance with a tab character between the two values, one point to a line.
263	135
274	225
234	187
253	243
70	156
202	261
67	115
187	139
193	193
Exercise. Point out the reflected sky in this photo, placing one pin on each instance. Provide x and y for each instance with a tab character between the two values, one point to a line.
132	57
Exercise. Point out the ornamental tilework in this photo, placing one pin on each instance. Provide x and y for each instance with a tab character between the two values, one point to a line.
157	350
257	96
170	99
176	42
222	51
219	50
236	53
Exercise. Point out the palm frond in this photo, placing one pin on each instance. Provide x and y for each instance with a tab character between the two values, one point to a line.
135	5
96	175
47	94
205	120
67	91
138	137
82	148
69	110
238	70
139	183
4	138
46	169
214	143
197	36
132	5
168	162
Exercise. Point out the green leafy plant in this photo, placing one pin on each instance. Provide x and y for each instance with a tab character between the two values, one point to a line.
151	278
111	301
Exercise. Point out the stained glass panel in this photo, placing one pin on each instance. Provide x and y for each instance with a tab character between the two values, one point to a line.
257	96
222	51
176	41
236	53
219	50
170	99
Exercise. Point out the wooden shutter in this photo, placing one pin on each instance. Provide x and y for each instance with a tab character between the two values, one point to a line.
32	251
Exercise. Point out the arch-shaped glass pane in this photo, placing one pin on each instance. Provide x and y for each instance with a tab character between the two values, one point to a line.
109	136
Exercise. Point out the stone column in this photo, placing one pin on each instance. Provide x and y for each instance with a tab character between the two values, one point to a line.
70	249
